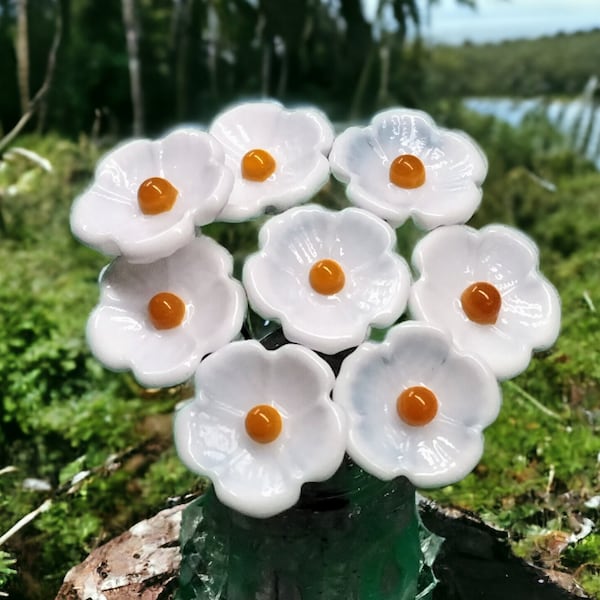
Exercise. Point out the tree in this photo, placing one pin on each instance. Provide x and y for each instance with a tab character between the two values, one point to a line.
135	76
22	52
33	105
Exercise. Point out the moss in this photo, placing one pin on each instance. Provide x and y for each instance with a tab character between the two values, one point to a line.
62	413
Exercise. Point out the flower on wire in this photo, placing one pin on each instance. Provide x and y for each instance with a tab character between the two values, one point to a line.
327	276
278	156
148	197
484	287
160	319
416	406
261	425
403	165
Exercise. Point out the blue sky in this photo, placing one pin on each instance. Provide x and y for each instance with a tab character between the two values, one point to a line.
495	20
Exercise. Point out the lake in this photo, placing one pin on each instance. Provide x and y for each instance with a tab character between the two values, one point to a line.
578	119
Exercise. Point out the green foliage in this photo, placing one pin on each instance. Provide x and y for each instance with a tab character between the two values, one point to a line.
558	65
196	57
7	562
61	413
584	558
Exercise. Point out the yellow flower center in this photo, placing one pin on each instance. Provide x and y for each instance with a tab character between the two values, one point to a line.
407	171
257	165
417	406
481	302
156	195
263	424
166	310
327	277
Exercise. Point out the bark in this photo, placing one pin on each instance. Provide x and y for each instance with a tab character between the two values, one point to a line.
22	51
135	75
180	41
142	563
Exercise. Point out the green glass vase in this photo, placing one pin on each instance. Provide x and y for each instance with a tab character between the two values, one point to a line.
352	537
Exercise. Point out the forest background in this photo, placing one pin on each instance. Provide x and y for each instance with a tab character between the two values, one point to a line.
85	453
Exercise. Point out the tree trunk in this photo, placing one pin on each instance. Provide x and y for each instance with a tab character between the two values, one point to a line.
265	71
182	14
22	51
135	76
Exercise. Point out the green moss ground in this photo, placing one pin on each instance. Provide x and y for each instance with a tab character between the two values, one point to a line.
62	414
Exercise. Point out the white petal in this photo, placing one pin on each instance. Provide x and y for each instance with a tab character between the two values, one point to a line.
120	340
247	126
467	391
193	161
296	139
244	374
455	168
372	378
318	442
504	256
249	477
357	159
359	239
107	215
234	376
380	290
277	277
199	274
441	454
532	311
299	381
261	479
452	258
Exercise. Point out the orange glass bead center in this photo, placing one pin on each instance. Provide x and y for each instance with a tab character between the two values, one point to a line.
327	277
263	424
407	171
481	302
257	165
417	406
166	310
156	195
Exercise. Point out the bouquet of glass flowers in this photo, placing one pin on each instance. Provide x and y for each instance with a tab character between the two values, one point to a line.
315	436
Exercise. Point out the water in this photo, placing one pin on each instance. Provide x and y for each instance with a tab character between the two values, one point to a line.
578	119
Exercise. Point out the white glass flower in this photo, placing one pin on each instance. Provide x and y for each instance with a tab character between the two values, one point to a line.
403	165
416	406
484	287
327	276
278	156
148	196
160	319
261	425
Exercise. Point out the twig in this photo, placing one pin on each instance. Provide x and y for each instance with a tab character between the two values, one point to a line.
536	403
44	89
32	156
26	520
112	463
551	474
588	300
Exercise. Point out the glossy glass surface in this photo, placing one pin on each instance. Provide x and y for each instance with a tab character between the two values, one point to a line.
455	167
375	286
450	259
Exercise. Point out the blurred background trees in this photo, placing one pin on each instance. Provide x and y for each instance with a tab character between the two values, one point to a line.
128	65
